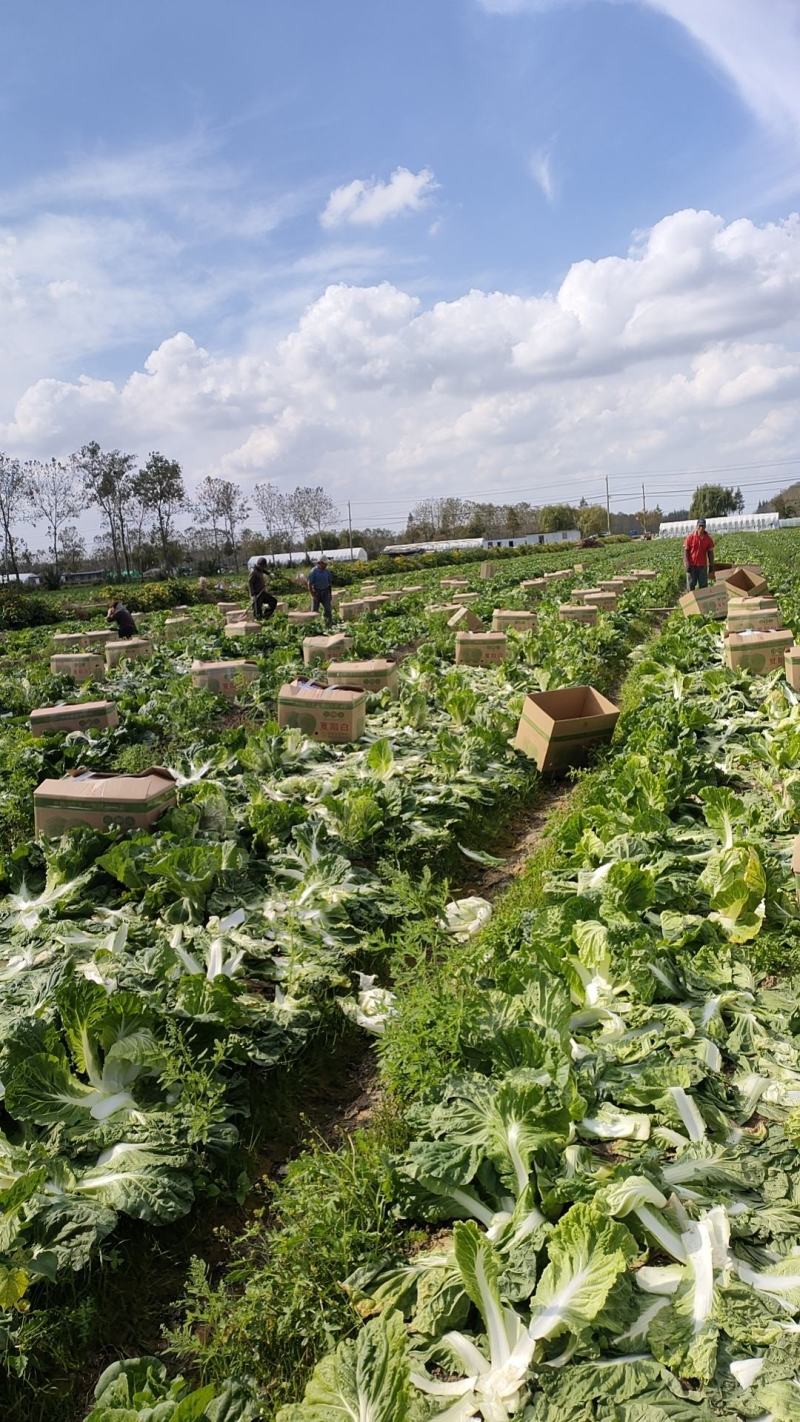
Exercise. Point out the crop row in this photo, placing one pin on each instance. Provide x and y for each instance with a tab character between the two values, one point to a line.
144	978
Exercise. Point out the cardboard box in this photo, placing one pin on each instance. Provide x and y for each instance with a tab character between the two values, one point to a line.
463	598
81	666
132	648
378	674
578	594
78	716
481	649
577	567
745	615
324	649
245	627
236	614
605	601
223	678
646	574
99	800
487	570
505	618
376	602
351	611
224	607
368	586
627	580
757	652
791	667
742	581
69	641
705	602
612	585
559	573
578	612
302	619
395	595
335	714
558	728
176	627
533	587
414	588
99	638
441	611
455	583
464	621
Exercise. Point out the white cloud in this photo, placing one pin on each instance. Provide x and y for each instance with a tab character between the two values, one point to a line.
755	43
682	352
540	165
369	202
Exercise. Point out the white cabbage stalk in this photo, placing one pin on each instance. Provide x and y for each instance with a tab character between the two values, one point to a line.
466	917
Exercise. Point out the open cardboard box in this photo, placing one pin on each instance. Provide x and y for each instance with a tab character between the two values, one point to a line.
377	674
742	581
757	652
334	714
481	649
558	728
102	800
464	621
75	716
323	649
223	678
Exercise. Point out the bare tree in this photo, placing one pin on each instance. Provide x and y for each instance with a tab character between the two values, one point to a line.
73	548
159	487
107	478
55	497
313	510
270	505
13	504
224	507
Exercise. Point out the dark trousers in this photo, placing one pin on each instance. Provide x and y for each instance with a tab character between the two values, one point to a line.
323	600
696	578
264	605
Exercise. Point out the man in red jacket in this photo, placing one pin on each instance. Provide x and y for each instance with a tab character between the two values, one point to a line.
698	557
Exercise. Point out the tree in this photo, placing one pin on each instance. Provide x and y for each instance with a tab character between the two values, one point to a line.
107	478
270	505
159	486
55	498
677	516
592	519
715	501
224	507
13	505
73	549
554	518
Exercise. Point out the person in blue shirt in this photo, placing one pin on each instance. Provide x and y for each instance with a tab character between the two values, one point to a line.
320	585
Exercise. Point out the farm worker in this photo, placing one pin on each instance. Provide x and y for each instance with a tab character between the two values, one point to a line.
320	584
698	557
119	613
262	602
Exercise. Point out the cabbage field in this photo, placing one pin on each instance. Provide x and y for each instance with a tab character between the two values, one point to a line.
583	1199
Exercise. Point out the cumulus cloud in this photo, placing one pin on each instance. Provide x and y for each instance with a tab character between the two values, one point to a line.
680	352
370	202
540	165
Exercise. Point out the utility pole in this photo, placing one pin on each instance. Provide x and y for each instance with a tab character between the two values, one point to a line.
608	507
644	513
350	527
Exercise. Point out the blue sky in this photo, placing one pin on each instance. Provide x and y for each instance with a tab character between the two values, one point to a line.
248	233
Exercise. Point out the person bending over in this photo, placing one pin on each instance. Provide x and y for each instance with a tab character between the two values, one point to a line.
118	612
